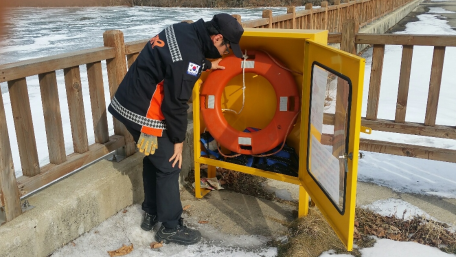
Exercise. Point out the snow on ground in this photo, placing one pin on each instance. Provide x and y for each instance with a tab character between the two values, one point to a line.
123	229
398	208
390	248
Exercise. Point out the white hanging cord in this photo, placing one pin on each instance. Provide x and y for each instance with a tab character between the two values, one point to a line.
280	65
245	56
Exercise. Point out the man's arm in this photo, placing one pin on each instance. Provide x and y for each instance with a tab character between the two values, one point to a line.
178	86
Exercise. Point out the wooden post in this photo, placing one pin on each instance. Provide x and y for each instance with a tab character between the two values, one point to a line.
116	72
324	4
337	20
97	101
52	117
375	82
10	198
404	81
434	85
76	108
268	14
347	44
20	105
237	17
309	7
292	9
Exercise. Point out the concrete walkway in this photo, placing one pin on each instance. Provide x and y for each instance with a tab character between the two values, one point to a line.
424	7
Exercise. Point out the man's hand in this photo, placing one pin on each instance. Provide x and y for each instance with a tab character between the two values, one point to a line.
177	156
216	66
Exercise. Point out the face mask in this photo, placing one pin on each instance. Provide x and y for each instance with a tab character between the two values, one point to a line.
212	53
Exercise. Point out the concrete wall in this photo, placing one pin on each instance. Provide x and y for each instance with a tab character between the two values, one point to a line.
386	22
72	207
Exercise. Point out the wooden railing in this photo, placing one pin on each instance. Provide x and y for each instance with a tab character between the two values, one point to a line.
428	127
114	52
60	164
328	17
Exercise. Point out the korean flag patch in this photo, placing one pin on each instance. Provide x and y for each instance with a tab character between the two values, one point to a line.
193	69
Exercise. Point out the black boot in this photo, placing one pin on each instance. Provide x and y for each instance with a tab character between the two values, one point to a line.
149	221
179	235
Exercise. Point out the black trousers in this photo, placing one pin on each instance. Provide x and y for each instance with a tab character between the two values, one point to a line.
161	182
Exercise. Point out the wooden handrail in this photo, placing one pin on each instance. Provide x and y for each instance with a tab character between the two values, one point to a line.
417	40
22	69
135	46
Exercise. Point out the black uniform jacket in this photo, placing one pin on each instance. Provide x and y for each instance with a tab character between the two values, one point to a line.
153	96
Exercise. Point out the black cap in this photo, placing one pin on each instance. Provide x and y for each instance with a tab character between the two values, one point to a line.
230	29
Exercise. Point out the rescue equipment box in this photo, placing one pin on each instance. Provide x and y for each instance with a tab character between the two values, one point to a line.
325	133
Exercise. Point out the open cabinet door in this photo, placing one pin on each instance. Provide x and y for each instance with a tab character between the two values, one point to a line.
331	121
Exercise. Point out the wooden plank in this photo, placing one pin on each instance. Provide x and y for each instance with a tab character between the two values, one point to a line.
97	101
282	17
258	23
52	117
52	172
324	4
20	105
36	66
375	82
423	40
135	46
410	128
76	109
309	7
337	4
434	85
417	151
404	81
302	13
9	192
116	72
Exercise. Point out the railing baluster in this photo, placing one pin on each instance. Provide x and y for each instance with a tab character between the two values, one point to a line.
97	100
434	85
375	82
404	81
76	109
309	7
324	4
20	105
8	185
52	117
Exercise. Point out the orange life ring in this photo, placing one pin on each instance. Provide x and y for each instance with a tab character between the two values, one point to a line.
275	132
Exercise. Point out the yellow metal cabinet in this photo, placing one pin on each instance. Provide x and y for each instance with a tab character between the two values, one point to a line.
327	174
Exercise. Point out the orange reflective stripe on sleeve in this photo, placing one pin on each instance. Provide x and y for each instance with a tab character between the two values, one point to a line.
154	112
